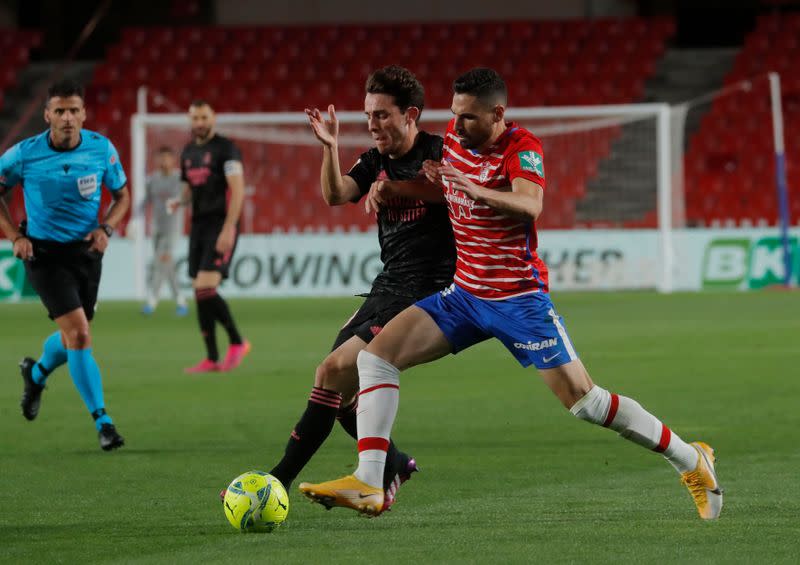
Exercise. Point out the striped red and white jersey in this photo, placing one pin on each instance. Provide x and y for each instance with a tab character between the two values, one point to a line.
496	254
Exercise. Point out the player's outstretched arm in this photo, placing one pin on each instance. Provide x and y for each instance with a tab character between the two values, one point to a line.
524	200
418	189
336	188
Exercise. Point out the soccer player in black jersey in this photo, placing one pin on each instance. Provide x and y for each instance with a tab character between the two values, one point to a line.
417	250
210	165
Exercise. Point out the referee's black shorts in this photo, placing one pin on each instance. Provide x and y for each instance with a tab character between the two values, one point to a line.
66	276
203	255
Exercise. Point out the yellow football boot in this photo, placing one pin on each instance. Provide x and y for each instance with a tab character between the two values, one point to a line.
347	492
702	483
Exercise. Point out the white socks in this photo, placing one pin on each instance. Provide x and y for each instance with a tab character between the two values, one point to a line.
634	423
379	395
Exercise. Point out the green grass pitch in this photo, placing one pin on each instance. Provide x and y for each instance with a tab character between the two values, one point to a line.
508	476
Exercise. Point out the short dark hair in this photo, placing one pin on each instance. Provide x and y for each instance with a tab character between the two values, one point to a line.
484	84
64	89
165	149
399	83
199	103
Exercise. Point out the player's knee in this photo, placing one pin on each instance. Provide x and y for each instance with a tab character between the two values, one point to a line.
78	338
335	373
373	370
592	406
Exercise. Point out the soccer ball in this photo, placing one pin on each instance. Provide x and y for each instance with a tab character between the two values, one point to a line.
255	502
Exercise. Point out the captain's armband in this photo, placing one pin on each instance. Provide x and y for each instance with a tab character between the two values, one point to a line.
233	168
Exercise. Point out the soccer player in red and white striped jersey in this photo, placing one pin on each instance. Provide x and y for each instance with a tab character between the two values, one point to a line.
496	251
493	176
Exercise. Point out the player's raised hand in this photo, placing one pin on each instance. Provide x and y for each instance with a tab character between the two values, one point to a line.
377	196
432	171
99	240
327	131
459	181
23	248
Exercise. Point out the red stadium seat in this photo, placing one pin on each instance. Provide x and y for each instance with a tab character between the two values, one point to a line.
277	68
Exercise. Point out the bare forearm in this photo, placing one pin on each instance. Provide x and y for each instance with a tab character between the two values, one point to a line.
6	223
334	190
517	204
235	205
119	207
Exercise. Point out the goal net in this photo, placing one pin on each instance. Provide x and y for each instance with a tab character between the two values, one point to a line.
608	173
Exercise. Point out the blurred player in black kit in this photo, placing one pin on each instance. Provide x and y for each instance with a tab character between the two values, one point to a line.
417	250
210	165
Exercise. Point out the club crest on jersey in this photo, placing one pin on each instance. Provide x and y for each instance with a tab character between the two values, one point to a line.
207	158
531	161
484	172
87	185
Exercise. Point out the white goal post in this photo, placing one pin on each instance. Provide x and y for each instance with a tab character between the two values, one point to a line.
606	166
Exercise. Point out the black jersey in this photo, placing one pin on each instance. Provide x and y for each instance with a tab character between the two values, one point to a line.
203	167
417	245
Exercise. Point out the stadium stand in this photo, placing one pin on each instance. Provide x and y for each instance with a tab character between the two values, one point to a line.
269	69
15	51
730	162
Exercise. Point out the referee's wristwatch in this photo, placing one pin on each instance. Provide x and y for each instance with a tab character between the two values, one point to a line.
108	229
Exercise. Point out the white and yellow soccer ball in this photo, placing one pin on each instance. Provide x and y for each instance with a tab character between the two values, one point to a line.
255	502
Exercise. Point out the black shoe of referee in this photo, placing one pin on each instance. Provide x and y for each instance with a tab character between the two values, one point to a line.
32	393
109	438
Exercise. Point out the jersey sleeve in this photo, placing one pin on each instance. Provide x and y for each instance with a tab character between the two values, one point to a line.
526	160
114	177
232	160
364	171
11	167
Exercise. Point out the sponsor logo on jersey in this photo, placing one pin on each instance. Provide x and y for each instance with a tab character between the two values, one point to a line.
460	205
538	345
113	159
198	175
87	185
531	161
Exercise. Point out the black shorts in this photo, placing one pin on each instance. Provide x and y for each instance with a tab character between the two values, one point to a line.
203	254
375	312
66	276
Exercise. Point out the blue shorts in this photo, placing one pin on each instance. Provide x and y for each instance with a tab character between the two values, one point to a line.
527	325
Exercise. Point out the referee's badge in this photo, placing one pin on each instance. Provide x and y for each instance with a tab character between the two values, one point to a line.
87	185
